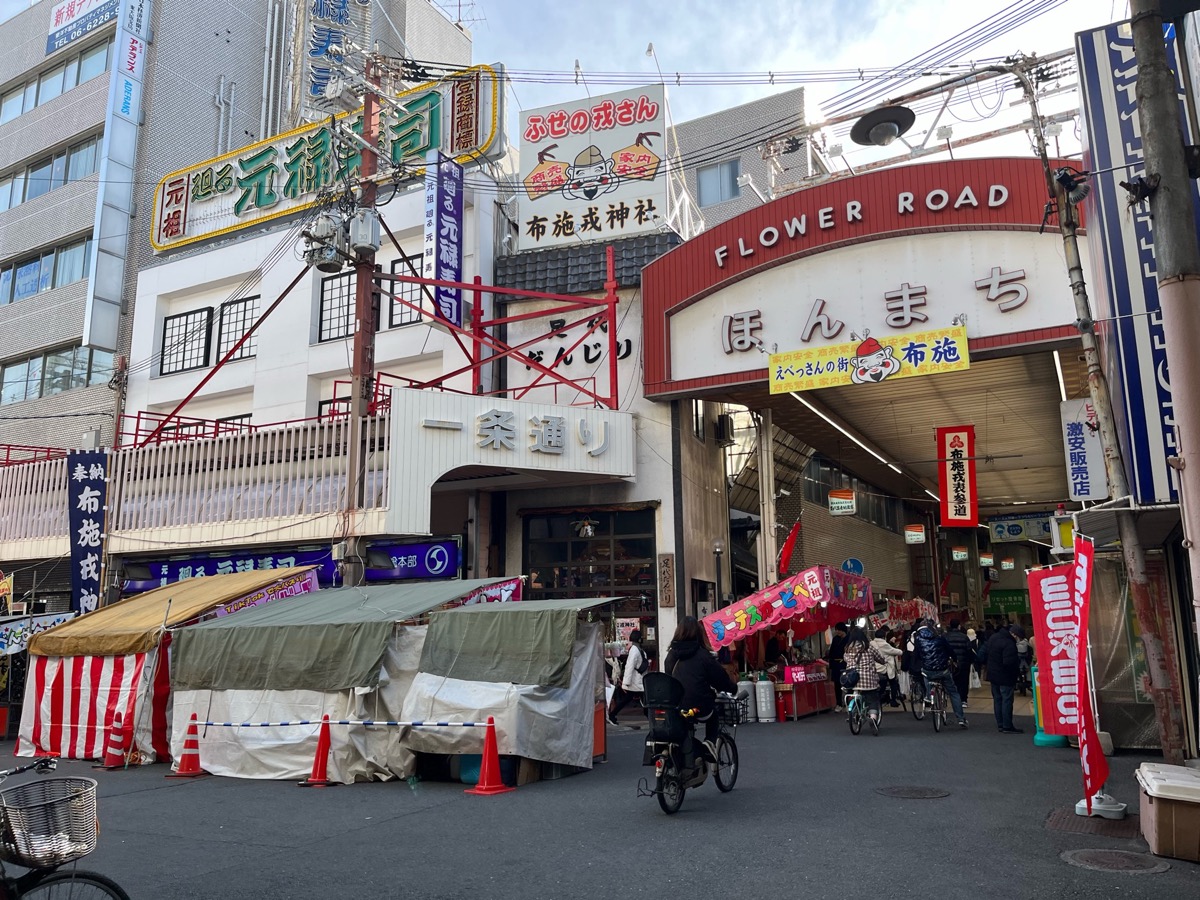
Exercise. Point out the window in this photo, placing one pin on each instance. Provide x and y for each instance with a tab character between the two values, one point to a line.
79	68
719	183
333	409
401	314
82	159
59	370
50	269
5	192
233	320
186	341
337	307
49	173
698	419
821	476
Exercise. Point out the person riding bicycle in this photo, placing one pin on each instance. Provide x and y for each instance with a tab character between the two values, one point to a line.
689	661
935	656
863	657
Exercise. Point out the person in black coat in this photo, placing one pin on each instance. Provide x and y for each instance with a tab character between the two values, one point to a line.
689	662
1002	668
835	657
960	646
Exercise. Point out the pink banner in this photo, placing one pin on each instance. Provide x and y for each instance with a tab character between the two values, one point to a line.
816	597
1056	620
1091	756
501	592
303	583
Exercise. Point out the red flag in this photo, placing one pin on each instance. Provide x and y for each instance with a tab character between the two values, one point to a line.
785	555
1091	756
1056	624
956	477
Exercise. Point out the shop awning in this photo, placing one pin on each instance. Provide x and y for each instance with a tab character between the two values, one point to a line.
330	640
506	643
1154	523
805	603
135	625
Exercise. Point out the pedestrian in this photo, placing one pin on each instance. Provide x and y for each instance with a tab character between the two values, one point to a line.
935	656
837	663
860	654
631	688
960	645
888	670
1002	670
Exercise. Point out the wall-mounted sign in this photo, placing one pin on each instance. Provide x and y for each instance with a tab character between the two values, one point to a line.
986	559
426	561
1033	526
282	175
853	565
1002	603
842	503
592	170
869	361
442	257
957	484
666	580
1008	563
959	554
168	571
914	534
87	490
1086	477
327	24
73	19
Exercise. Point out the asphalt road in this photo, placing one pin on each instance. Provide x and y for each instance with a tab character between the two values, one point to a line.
804	820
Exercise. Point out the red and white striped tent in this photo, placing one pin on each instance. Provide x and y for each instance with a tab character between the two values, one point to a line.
117	660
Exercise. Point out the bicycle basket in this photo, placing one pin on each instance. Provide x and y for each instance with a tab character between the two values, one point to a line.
48	822
733	711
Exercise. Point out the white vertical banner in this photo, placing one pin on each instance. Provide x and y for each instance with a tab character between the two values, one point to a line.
1086	477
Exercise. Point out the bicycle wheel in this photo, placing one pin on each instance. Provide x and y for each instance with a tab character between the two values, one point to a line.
855	714
917	702
726	771
75	885
939	709
670	789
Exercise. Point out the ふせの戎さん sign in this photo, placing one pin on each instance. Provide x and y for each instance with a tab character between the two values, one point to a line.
284	174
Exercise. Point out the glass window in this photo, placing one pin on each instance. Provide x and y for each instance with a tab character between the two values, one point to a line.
82	160
37	182
93	62
18	188
5	192
50	85
234	320
6	285
30	96
401	314
57	376
58	172
12	382
33	379
337	307
46	278
11	103
79	368
719	183
70	264
71	74
185	341
25	281
102	367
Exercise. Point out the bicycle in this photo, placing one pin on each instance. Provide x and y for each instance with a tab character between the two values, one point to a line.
44	825
916	696
937	700
857	711
674	771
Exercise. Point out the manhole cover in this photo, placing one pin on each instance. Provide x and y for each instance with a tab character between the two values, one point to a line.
1064	819
1115	861
906	792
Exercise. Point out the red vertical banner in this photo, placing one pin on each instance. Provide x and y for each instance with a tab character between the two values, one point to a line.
1052	600
1091	756
956	476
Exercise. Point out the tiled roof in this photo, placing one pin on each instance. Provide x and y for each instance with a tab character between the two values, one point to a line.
580	269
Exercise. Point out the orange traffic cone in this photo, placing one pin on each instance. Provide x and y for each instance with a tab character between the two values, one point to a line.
114	747
489	768
189	760
320	760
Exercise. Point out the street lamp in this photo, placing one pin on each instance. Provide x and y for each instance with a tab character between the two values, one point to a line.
718	549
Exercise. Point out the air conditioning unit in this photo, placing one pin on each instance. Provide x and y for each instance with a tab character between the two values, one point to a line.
724	430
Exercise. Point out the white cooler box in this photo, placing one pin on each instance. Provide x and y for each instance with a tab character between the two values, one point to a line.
1170	810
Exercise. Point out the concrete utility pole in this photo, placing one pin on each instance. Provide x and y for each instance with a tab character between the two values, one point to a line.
1176	257
1168	705
362	366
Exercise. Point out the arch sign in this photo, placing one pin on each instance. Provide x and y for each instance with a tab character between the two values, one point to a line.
885	275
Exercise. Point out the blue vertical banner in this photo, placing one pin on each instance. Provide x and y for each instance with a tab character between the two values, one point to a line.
1124	272
444	233
87	494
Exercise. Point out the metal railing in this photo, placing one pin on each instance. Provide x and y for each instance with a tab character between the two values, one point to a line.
14	454
33	499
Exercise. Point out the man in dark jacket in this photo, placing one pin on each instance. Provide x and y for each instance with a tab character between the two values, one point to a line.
934	655
834	656
690	663
960	646
1002	667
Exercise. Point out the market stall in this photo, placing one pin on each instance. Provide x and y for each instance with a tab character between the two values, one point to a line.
115	660
802	605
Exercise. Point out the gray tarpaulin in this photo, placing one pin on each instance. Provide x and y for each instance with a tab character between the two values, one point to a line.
536	637
325	641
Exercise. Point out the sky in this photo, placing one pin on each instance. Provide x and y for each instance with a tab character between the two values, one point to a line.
743	38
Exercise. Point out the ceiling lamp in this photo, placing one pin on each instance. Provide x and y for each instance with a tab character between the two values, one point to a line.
880	127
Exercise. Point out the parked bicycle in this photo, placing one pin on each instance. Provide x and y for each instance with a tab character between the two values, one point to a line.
44	825
678	757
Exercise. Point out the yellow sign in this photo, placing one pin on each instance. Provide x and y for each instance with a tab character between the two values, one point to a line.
871	360
6	591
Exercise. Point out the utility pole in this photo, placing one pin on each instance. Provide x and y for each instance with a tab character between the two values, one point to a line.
1167	698
1176	257
362	366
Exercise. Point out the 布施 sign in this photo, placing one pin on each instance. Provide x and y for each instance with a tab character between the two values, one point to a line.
956	471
